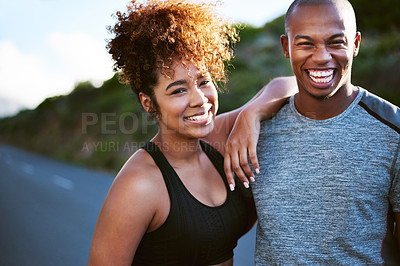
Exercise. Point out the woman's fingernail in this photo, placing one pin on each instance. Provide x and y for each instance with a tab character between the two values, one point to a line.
232	187
246	185
252	179
257	170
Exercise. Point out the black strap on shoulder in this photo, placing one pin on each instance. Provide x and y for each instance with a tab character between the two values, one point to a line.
215	157
166	169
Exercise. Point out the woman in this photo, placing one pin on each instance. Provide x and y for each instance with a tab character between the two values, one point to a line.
170	204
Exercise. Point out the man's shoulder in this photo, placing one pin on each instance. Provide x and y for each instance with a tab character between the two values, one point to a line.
285	109
382	110
281	115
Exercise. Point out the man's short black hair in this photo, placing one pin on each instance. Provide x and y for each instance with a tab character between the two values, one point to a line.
309	3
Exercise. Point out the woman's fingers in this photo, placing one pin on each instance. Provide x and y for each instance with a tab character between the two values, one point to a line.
232	165
228	171
252	147
244	162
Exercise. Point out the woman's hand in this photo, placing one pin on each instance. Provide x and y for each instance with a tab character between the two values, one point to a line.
241	146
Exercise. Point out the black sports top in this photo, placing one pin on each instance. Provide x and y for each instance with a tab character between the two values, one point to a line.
193	233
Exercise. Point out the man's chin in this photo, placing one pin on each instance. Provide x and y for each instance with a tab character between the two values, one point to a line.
321	96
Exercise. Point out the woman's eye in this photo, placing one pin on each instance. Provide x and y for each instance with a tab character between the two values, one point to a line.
177	91
204	82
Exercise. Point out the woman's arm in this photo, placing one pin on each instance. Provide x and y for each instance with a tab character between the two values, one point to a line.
243	138
274	94
223	125
125	217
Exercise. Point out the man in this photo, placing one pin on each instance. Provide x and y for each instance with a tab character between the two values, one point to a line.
328	188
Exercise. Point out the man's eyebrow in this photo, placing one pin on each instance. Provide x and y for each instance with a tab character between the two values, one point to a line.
176	83
339	35
302	37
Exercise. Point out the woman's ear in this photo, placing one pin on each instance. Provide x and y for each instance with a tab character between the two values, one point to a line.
146	102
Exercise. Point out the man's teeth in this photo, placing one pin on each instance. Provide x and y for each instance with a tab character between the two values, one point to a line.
198	117
321	73
321	76
319	80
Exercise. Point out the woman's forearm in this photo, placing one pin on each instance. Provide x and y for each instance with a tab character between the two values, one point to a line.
263	105
271	97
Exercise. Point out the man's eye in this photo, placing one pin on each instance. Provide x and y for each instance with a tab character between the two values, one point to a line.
337	42
305	43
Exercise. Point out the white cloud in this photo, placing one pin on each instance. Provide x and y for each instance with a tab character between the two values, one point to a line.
28	79
84	56
254	12
24	78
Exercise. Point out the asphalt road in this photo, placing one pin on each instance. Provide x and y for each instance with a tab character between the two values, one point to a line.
48	211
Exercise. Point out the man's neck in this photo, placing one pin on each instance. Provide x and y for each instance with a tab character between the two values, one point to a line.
320	109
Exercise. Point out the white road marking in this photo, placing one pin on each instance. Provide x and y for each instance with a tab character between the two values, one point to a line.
63	182
28	168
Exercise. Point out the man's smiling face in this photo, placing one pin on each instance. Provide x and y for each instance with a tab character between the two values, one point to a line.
321	42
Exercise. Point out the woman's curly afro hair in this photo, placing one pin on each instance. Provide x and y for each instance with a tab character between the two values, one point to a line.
150	36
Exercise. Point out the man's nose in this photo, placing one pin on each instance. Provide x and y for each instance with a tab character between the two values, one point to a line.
322	55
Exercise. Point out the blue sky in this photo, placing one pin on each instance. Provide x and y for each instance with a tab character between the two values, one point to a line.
48	46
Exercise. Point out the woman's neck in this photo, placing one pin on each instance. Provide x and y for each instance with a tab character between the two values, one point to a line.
178	148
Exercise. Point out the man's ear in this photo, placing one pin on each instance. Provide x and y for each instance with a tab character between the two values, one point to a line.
285	45
357	41
146	102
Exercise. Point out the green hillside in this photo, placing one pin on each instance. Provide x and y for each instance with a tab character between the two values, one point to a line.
100	127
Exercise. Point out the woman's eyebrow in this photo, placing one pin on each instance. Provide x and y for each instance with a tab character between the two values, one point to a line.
176	83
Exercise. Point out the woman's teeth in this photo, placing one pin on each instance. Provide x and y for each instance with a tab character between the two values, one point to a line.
198	117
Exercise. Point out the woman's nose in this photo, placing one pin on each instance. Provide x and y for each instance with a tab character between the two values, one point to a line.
197	97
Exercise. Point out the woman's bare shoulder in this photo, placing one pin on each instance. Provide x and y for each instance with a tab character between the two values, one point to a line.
140	161
140	172
133	192
138	182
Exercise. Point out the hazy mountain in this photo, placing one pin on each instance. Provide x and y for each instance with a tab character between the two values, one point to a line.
9	107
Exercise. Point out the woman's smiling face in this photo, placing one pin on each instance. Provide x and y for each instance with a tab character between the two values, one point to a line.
187	101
